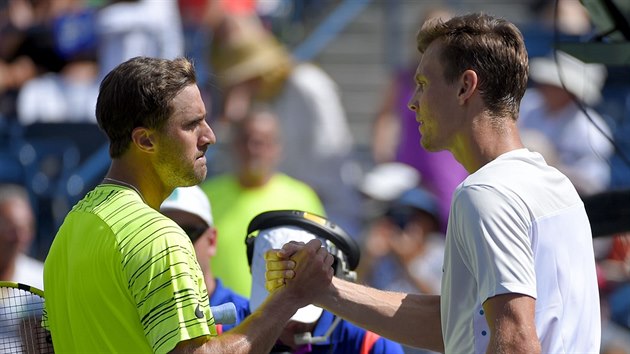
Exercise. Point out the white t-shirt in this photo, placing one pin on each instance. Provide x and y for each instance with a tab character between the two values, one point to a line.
518	226
141	28
52	98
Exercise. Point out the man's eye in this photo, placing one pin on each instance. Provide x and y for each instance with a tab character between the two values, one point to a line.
193	125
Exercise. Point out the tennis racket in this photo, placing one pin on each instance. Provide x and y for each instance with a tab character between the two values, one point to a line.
21	314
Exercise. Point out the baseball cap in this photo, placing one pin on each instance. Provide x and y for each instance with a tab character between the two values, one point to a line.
421	199
191	200
275	238
414	198
386	181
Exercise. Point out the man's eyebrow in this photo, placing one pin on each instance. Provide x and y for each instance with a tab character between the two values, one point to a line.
193	120
199	117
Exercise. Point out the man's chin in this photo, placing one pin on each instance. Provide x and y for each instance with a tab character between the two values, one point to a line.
199	179
196	178
427	146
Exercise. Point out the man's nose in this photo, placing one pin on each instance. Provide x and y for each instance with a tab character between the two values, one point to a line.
209	136
412	106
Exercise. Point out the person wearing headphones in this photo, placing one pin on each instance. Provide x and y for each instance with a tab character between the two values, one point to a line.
312	329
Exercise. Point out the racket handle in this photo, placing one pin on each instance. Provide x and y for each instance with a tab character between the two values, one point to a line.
224	313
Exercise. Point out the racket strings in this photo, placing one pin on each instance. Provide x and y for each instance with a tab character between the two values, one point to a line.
21	329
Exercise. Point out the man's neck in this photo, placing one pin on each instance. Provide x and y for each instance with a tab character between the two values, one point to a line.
140	177
251	181
486	142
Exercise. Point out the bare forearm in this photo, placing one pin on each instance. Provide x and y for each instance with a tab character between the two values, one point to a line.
410	319
256	334
513	341
510	318
260	330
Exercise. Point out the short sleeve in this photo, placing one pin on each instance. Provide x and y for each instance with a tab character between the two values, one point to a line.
494	240
168	289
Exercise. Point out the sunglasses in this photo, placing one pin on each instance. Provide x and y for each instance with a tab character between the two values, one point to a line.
194	231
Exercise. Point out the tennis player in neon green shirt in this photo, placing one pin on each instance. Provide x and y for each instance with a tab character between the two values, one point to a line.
134	253
120	276
255	187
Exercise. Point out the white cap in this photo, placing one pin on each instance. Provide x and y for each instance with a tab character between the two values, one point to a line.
191	200
387	181
584	81
275	238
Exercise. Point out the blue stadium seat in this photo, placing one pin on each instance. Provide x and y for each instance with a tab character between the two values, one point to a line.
47	164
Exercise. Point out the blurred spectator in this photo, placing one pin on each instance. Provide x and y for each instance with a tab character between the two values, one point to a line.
613	269
582	149
251	65
562	20
289	21
17	229
28	46
403	249
406	252
130	28
70	94
383	184
312	329
402	245
396	136
255	186
190	209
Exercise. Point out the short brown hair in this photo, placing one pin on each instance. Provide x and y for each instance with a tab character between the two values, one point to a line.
492	47
138	93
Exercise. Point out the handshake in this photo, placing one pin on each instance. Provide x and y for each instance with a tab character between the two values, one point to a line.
298	252
303	266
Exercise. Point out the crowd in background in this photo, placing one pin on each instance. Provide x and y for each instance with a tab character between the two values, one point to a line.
54	53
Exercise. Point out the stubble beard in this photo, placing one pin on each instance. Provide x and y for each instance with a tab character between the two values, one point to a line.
185	176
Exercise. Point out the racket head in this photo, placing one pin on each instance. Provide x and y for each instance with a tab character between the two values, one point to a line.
21	314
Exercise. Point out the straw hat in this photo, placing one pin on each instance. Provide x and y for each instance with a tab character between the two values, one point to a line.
583	80
248	51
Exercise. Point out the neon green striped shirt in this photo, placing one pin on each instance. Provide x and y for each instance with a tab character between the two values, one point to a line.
121	277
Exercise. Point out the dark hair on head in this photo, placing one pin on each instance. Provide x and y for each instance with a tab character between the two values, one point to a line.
492	47
138	93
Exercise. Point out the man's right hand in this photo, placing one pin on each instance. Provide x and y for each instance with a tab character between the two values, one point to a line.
302	268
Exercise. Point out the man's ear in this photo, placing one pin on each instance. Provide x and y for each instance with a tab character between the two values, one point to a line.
143	139
212	241
467	85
